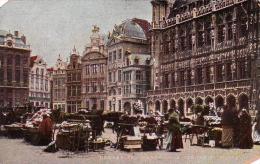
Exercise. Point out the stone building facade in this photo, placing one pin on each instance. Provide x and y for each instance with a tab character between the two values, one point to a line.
94	73
128	64
59	85
39	90
201	53
14	69
73	82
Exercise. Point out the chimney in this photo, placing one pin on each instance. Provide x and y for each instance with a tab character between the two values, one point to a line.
23	38
16	33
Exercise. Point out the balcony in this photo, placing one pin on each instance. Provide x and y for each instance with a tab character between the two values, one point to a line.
15	45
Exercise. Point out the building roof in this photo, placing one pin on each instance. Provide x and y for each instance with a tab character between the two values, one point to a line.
132	28
50	69
32	60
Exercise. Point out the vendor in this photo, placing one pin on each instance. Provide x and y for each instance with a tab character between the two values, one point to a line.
174	136
227	121
45	130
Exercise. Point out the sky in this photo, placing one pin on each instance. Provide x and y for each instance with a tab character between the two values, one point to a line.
53	27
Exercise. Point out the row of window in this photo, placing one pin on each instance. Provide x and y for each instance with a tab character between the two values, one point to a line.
73	91
40	95
95	68
227	72
73	77
204	33
17	76
127	75
114	55
95	87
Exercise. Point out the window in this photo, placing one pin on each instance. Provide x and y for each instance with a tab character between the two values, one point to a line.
101	87
94	68
110	57
87	70
181	78
166	81
17	76
46	85
228	72
138	75
114	76
94	86
9	75
189	82
207	70
219	74
119	53
119	105
114	55
101	68
199	75
69	77
127	75
42	72
119	75
138	89
110	105
110	77
173	80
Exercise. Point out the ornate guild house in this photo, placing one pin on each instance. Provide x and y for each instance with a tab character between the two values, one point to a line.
201	53
40	79
14	69
73	82
59	85
128	65
94	73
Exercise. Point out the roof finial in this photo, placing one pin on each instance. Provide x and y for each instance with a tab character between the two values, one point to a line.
95	29
74	50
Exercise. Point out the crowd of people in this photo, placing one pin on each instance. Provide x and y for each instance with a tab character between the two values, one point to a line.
237	128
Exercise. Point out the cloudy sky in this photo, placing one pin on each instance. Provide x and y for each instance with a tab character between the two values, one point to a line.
53	27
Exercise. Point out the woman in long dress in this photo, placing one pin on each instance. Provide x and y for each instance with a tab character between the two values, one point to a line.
227	121
174	139
245	135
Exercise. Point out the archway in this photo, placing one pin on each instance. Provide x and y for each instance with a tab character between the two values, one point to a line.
231	101
181	107
165	106
208	100
243	101
150	107
172	104
189	103
157	106
219	100
199	101
127	107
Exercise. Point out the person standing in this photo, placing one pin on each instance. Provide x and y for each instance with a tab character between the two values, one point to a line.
245	135
227	121
174	136
45	130
236	127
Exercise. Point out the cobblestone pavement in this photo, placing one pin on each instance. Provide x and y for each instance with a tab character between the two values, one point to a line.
16	151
